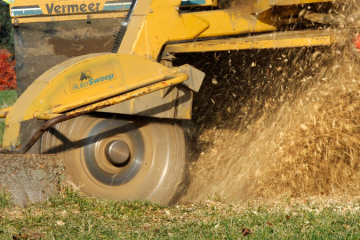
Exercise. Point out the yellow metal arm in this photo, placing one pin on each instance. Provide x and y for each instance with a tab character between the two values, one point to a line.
262	41
177	79
107	94
4	112
156	22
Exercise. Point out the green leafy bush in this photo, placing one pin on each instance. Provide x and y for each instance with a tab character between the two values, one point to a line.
6	30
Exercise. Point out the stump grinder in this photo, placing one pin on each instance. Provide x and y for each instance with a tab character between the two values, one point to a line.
97	87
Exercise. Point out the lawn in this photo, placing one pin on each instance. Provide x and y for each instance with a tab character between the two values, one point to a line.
7	99
73	216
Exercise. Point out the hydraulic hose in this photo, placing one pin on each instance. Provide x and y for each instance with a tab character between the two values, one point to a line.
121	33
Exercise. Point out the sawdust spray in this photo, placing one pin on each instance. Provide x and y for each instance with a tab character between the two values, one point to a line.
279	121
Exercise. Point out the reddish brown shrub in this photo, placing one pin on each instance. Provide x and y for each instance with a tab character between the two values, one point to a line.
7	72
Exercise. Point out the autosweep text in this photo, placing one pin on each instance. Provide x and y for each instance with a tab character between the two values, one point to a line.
92	81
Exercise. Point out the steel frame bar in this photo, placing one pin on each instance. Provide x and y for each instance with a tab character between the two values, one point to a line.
261	41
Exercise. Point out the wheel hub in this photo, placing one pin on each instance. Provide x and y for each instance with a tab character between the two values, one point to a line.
118	152
113	151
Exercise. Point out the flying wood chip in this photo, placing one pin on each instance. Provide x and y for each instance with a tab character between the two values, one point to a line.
246	232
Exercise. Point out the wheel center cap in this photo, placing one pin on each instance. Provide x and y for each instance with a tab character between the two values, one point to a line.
118	152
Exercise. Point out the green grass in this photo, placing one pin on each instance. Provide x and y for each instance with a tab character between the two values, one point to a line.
72	216
7	99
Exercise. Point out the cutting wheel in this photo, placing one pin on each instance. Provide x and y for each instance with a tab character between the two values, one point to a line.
122	159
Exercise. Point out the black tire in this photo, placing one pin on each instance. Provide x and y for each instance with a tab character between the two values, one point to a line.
153	172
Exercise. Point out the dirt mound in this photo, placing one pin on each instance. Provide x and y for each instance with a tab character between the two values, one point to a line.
274	122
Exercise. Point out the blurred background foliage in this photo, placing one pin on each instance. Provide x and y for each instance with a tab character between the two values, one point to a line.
6	30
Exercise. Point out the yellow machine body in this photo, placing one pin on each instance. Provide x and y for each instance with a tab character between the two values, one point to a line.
154	24
81	81
28	11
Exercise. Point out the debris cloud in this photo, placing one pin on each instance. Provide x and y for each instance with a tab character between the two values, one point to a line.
280	121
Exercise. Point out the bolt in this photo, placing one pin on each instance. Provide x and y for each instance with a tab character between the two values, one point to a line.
52	19
177	8
151	11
